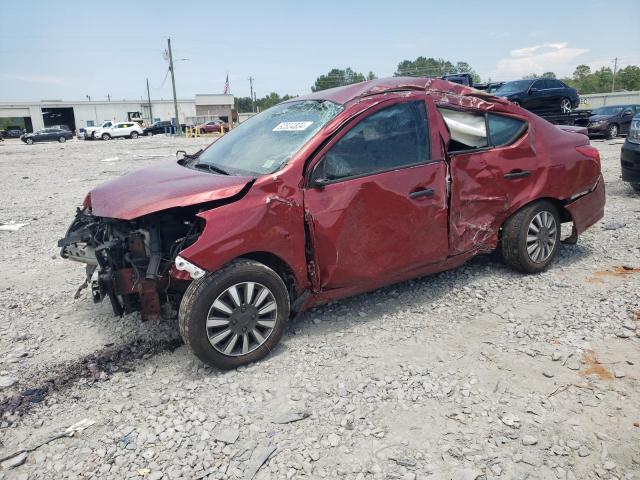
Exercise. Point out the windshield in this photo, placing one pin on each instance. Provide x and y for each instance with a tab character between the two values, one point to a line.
607	110
264	143
513	87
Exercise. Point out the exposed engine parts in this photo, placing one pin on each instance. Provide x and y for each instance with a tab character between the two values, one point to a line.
130	261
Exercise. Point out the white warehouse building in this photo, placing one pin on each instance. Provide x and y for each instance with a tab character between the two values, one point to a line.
79	114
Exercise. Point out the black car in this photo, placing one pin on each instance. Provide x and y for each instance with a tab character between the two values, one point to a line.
540	95
611	120
630	155
47	135
159	128
13	132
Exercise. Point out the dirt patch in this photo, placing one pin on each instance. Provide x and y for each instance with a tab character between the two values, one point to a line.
594	367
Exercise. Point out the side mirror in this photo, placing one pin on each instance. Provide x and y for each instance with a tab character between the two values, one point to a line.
532	90
178	152
626	114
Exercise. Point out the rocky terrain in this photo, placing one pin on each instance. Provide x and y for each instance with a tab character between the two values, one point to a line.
474	374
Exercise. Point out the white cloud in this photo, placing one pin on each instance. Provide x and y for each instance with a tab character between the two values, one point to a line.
548	57
35	78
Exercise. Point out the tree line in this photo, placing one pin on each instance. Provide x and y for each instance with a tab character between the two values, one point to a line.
583	79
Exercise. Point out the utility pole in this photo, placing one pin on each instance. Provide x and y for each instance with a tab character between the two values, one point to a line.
615	68
149	100
173	82
253	101
108	97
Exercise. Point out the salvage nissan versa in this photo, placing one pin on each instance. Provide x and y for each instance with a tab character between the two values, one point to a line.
330	195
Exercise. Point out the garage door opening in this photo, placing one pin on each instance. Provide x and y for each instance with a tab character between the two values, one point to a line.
62	116
16	123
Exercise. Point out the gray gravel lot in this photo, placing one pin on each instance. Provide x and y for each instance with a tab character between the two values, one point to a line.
475	373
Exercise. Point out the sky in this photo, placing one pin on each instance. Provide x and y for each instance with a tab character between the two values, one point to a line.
67	50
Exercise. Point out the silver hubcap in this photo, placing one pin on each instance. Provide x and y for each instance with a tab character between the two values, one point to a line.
565	106
241	318
541	237
614	130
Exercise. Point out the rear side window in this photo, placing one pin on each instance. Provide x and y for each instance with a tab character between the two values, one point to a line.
389	139
504	130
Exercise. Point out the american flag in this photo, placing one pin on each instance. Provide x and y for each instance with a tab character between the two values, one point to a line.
226	85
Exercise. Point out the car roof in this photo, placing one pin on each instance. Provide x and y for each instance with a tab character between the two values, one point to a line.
349	93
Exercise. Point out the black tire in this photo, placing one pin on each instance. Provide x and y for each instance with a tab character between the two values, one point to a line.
106	136
62	139
515	242
134	135
612	131
200	296
565	105
149	134
636	187
29	141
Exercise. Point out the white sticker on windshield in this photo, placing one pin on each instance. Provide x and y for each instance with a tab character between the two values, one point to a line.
291	126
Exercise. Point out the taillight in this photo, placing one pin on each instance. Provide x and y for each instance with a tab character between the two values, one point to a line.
86	203
590	152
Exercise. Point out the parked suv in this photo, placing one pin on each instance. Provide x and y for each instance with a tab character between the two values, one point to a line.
119	130
630	155
540	95
329	195
611	120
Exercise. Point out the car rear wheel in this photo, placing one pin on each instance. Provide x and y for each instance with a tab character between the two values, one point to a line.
612	131
235	315
106	136
29	141
134	135
565	105
531	237
62	139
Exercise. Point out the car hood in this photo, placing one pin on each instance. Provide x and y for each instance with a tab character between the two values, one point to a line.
159	187
597	118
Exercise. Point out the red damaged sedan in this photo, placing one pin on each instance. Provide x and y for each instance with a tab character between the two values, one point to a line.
330	195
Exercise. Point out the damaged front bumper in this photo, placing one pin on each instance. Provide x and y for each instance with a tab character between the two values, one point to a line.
131	262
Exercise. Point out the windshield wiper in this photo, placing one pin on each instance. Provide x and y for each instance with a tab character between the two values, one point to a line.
211	168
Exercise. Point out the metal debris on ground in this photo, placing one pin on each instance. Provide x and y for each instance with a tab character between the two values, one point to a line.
290	417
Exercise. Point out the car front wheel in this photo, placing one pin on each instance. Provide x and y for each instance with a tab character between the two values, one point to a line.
531	237
235	315
636	187
29	141
106	136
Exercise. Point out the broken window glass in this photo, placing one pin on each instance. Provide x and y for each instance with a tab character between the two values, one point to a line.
391	138
468	130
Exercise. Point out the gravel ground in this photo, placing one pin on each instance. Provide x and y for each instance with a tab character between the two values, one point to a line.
475	373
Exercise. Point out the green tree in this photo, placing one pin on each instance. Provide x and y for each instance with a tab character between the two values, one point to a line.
243	104
549	75
432	67
337	78
628	78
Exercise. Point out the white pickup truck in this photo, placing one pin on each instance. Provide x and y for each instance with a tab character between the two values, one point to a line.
89	132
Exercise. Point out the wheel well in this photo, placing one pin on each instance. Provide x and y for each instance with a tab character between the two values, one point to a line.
565	215
277	265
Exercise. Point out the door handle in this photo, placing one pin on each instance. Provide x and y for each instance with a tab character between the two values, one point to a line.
427	192
513	174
